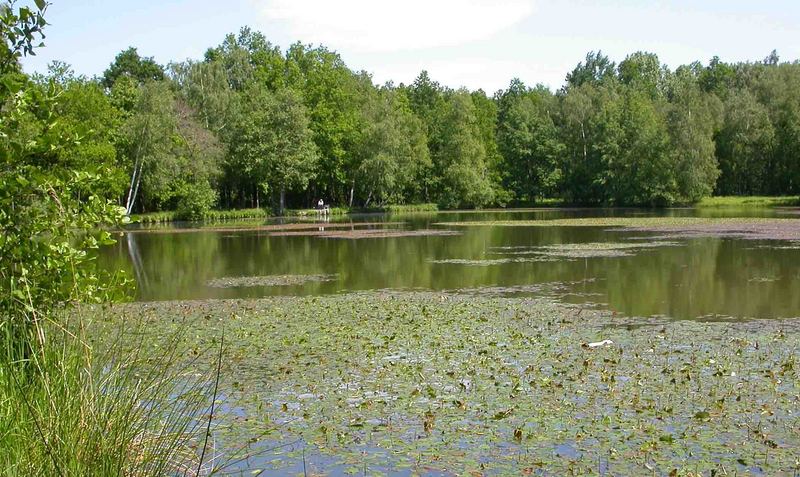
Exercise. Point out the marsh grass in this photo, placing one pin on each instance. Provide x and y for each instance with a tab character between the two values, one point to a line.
748	201
75	407
168	216
210	216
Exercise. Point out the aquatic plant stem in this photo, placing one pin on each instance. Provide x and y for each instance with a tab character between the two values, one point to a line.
213	402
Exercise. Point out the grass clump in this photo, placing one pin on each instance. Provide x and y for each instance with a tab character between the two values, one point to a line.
748	201
70	409
164	217
315	212
410	208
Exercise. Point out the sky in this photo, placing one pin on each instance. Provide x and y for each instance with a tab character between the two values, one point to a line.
471	43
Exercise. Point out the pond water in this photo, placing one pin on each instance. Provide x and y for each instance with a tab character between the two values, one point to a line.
633	273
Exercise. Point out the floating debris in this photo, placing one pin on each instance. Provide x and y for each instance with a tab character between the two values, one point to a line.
598	344
268	280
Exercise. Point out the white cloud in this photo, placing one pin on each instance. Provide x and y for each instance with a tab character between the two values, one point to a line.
392	25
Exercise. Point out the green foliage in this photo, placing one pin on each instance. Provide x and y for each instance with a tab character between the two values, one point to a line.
274	147
168	152
744	142
748	201
529	143
596	68
392	150
20	30
49	216
129	64
692	119
208	216
404	209
68	407
643	72
460	162
195	202
256	124
634	133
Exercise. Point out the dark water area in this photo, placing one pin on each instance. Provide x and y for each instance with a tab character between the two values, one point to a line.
707	278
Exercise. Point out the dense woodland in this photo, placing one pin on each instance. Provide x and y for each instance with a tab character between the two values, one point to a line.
252	126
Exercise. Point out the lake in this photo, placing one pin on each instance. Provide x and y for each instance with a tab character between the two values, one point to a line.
524	342
705	277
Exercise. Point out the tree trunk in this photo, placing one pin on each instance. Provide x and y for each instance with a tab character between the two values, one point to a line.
352	188
133	190
282	200
136	177
583	136
258	205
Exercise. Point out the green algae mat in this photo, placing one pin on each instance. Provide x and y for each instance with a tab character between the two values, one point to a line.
449	384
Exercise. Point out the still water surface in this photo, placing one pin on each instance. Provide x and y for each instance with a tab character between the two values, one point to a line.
708	278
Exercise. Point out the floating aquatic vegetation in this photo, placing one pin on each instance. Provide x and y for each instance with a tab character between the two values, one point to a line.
672	227
583	250
490	261
367	233
763	279
600	249
459	384
792	245
268	280
260	227
555	290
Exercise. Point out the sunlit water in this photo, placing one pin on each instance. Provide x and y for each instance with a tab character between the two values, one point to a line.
705	278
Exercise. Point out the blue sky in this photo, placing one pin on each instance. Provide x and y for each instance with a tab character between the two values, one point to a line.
472	43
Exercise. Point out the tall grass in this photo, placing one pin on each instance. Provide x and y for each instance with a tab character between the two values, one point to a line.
76	407
210	216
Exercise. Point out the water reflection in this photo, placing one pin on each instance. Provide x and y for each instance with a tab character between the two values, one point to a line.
701	277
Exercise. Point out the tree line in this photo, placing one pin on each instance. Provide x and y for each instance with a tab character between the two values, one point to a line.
250	125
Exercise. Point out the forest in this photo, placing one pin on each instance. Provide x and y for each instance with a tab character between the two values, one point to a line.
250	125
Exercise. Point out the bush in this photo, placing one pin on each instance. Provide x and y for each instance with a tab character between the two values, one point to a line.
195	202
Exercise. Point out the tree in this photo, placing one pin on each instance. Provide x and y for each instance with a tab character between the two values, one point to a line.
640	170
486	113
744	145
128	63
21	30
528	141
331	94
146	138
47	224
589	130
693	117
595	69
643	72
460	165
392	150
274	146
206	86
86	115
717	78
